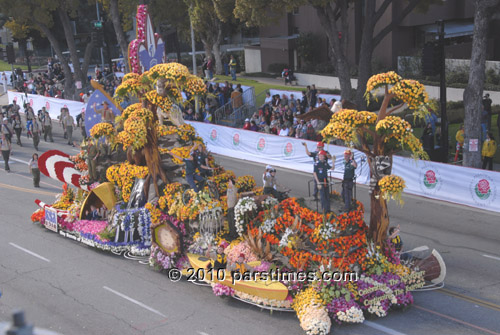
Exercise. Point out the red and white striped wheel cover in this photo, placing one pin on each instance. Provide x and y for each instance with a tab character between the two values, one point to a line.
56	165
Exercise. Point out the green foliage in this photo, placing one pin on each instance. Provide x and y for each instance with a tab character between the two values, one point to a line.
306	45
423	6
19	31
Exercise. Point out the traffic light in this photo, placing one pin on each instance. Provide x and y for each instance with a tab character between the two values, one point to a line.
431	59
11	56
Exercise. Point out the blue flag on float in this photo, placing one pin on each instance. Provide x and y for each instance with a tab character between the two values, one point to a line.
151	51
97	99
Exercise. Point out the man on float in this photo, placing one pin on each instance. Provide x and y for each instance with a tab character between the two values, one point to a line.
107	114
348	182
321	179
202	161
319	147
191	175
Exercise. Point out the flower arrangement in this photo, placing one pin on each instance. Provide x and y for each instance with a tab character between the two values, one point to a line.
382	79
392	187
38	215
235	250
411	92
165	103
174	72
102	129
123	176
287	303
243	212
311	312
162	130
245	183
159	259
90	227
134	133
222	290
221	180
64	200
155	213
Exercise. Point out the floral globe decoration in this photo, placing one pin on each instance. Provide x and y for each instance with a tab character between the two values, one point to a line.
102	129
391	187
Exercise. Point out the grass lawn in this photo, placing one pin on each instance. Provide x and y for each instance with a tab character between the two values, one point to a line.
259	87
4	66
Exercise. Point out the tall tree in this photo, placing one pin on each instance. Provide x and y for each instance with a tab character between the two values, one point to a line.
20	33
333	16
121	13
41	14
208	27
474	91
380	136
173	19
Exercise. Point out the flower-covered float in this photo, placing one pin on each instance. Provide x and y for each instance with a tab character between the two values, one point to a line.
126	192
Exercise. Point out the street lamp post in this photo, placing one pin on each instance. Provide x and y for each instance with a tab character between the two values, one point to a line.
193	51
99	19
442	92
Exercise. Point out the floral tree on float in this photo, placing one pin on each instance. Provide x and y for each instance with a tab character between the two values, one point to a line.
159	92
380	136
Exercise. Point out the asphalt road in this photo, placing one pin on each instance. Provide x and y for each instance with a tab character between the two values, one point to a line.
70	288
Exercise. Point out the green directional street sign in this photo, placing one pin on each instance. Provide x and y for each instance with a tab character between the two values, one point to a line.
97	24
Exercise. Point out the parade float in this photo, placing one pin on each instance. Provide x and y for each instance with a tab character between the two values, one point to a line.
126	193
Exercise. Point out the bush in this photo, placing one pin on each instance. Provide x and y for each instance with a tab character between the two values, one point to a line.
492	77
325	68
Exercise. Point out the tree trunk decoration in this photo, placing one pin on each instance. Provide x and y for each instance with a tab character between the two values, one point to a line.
379	137
159	91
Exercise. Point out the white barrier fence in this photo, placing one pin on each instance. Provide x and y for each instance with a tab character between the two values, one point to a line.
53	105
457	184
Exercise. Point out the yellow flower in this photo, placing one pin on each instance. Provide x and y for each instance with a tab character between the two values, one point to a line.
102	129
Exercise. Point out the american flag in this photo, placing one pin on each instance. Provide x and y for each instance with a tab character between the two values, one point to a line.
91	117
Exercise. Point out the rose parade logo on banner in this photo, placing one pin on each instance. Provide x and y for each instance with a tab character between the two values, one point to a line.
236	139
47	105
214	136
261	144
430	179
482	189
31	102
288	149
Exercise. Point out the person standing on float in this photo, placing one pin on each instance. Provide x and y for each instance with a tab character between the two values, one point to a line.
350	166
321	178
314	155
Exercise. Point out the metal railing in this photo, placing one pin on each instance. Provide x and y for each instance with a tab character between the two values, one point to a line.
235	117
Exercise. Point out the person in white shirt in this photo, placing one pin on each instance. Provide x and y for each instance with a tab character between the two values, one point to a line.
69	122
268	99
284	131
337	106
5	147
4	82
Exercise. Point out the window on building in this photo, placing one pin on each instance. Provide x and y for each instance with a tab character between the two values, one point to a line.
295	11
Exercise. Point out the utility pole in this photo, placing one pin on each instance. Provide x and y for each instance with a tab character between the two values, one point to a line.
442	92
99	19
193	47
193	51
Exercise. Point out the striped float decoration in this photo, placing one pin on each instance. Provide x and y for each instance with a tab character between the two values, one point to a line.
57	165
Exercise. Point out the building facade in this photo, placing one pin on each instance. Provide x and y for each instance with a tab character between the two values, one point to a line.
278	41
